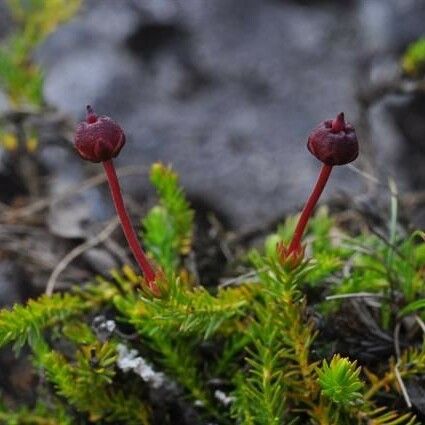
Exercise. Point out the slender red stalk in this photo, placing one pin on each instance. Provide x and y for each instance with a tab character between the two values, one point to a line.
295	244
127	227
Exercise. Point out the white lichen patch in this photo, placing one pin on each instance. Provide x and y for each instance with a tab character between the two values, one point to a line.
129	360
223	398
103	327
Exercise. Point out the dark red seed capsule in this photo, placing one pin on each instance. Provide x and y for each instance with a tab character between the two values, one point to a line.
334	142
98	138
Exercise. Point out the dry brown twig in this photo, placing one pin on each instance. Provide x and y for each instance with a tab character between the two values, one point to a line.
41	204
397	374
77	251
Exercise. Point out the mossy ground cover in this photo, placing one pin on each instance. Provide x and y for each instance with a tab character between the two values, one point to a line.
337	339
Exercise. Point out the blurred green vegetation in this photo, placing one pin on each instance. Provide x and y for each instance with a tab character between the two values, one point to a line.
414	59
20	78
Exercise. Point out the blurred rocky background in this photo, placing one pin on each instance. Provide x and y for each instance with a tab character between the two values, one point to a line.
228	90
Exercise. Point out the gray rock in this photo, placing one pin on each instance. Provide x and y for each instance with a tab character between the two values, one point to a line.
73	216
86	75
227	92
6	23
100	260
11	284
4	103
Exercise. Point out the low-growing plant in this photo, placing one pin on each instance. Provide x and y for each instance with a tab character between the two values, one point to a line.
130	350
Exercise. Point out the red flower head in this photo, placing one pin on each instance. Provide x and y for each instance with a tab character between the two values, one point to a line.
334	142
98	138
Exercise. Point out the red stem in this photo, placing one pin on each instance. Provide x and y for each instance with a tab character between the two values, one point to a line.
127	227
325	172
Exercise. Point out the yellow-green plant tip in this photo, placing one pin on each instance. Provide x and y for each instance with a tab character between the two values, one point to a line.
339	381
413	60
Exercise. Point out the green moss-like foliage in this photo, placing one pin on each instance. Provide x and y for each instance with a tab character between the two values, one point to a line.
167	228
339	380
258	338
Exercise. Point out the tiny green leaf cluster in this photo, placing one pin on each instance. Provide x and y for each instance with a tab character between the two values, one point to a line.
247	353
340	381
